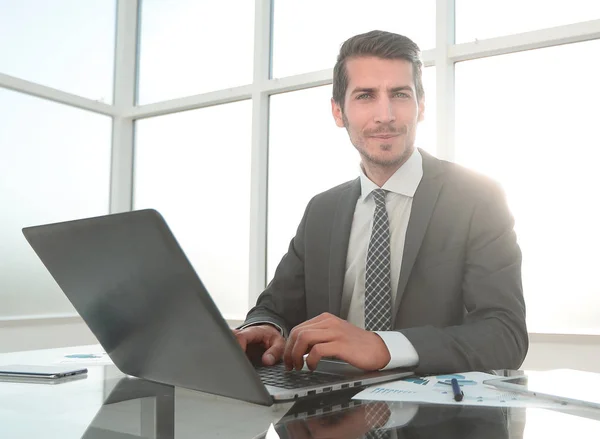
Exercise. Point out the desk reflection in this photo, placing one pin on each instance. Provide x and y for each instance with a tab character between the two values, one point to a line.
135	408
396	420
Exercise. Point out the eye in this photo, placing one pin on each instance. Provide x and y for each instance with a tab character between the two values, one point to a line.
402	95
363	96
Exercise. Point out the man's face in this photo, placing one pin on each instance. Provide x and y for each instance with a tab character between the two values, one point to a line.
381	110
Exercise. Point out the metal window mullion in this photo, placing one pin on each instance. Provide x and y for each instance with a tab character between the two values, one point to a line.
445	117
233	94
121	179
445	50
537	39
259	152
52	94
219	97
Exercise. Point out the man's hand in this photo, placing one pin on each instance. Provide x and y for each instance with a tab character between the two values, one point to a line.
329	336
266	335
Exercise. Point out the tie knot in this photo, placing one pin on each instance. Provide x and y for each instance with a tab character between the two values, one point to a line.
379	196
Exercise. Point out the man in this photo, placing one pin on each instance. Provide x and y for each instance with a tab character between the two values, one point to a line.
413	264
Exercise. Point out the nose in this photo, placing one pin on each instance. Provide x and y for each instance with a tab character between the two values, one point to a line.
384	112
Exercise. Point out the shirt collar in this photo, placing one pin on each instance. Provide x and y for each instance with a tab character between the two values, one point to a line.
404	181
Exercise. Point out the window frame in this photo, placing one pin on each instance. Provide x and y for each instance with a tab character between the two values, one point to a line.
125	113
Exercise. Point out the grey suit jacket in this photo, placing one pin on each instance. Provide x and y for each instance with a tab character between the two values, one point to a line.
460	298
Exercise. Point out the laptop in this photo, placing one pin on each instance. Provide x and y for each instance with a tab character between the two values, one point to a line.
132	284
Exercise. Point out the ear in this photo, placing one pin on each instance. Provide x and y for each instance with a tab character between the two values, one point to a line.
421	114
336	110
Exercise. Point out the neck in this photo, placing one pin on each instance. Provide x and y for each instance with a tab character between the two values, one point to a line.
379	174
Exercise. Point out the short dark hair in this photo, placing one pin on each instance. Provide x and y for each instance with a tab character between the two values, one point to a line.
381	44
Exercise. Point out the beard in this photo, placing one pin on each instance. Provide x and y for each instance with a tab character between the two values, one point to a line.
389	129
392	162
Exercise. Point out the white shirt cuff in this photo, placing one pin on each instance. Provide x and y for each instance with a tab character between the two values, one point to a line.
402	352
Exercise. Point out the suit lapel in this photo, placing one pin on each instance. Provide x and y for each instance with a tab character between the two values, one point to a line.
422	208
340	237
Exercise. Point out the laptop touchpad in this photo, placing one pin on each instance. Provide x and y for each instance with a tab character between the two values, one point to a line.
332	365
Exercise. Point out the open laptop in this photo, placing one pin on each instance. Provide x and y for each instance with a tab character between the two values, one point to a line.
130	281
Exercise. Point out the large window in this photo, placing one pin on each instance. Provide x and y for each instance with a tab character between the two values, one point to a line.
222	122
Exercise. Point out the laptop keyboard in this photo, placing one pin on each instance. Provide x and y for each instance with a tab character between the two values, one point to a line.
293	379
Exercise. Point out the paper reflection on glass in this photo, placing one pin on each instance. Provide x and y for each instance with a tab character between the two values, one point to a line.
271	433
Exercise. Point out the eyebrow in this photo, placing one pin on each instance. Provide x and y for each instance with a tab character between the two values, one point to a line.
373	90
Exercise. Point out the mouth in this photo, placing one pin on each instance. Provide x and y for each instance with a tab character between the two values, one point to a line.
385	136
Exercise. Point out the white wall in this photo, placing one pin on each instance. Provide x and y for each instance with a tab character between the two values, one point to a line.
24	335
546	351
555	351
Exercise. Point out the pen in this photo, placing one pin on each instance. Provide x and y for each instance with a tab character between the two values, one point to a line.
458	394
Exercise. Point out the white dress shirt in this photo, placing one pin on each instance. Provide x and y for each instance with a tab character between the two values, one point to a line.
402	186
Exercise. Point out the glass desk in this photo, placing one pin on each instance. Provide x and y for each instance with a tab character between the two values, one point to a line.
106	404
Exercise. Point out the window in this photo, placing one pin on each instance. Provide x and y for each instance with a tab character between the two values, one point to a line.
476	20
55	167
307	34
194	168
63	44
189	47
529	120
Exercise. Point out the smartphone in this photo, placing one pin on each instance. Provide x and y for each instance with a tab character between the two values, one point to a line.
39	372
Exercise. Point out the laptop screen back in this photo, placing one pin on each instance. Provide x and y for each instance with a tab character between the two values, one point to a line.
130	281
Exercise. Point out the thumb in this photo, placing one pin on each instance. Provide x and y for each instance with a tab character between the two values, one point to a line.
275	352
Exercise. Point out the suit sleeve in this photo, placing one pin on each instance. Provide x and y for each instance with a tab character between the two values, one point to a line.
283	302
493	334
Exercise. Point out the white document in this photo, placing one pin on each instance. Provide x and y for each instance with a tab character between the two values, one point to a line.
574	387
86	359
437	390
